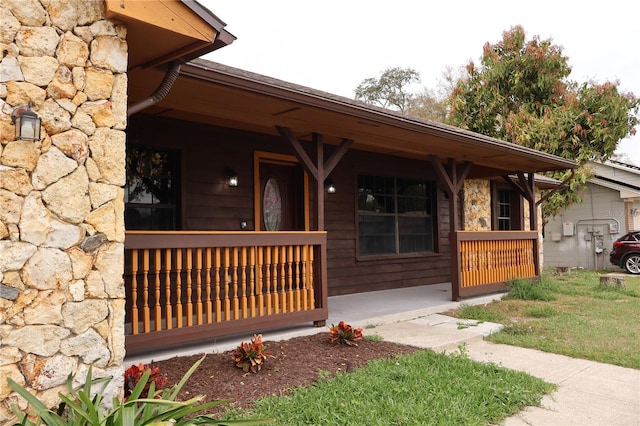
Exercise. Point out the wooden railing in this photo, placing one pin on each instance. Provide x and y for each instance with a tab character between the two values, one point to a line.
189	286
488	260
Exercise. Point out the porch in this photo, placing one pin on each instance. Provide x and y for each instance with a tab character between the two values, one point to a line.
187	287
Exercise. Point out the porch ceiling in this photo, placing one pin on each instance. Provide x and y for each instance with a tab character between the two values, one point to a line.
211	93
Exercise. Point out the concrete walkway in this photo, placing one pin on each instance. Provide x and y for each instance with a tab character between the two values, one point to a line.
589	393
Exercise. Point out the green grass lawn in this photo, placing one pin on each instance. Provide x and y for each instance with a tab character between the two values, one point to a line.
570	314
424	388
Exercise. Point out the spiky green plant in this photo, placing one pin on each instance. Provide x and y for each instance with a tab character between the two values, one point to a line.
80	408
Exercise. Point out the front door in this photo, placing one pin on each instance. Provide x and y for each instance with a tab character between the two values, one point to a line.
281	196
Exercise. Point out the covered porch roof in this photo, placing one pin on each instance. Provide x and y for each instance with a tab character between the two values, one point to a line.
215	94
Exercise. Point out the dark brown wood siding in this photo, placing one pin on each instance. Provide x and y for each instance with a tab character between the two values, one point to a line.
207	203
350	273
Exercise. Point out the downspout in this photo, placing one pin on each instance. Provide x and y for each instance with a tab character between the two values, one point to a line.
161	92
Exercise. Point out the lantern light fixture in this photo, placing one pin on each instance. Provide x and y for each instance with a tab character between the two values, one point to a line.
27	123
331	188
231	177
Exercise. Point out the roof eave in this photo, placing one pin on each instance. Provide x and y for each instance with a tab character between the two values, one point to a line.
269	86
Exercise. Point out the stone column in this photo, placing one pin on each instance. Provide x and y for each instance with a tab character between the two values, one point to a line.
61	199
476	205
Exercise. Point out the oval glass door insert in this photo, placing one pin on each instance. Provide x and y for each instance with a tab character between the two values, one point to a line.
272	205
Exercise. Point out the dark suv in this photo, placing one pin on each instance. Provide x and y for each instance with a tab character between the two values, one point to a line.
626	252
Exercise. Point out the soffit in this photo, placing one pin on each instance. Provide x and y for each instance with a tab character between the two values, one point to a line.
161	31
210	93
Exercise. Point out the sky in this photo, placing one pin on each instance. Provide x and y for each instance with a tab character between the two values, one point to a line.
334	45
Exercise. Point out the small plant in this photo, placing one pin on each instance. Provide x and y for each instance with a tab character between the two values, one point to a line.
344	334
529	290
133	375
250	356
80	407
374	338
541	312
481	313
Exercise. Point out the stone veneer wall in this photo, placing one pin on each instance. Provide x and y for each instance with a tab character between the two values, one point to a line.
61	199
476	205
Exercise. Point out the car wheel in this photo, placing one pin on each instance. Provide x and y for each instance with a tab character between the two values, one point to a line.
632	264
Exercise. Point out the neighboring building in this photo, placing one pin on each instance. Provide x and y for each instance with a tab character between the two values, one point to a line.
582	235
220	177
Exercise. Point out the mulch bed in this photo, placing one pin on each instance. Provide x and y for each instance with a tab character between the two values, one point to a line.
295	363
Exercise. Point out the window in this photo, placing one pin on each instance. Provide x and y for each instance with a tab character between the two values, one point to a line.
151	191
395	215
506	208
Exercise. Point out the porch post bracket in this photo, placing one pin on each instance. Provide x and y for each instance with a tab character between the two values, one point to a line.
466	168
336	156
528	186
443	176
301	154
450	178
556	189
520	186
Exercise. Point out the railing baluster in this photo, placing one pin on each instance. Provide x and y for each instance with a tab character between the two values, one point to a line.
218	307
290	278
310	281
275	293
252	283
207	277
179	311
243	283
157	308
134	292
236	301
283	279
199	286
227	278
167	289
296	267
267	279
146	313
260	281
189	271
303	273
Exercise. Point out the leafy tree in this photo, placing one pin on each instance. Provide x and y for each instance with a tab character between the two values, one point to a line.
390	90
521	93
427	105
431	104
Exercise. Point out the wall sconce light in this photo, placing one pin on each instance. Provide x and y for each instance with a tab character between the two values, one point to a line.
633	212
231	177
331	188
27	123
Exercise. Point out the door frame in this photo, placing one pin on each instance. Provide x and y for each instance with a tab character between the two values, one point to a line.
274	158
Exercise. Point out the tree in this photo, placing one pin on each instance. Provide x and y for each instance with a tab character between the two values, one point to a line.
521	93
390	90
431	104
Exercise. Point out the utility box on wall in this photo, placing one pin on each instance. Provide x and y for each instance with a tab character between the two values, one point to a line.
567	229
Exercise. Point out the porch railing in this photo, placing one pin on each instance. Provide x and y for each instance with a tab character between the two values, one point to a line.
488	260
188	286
